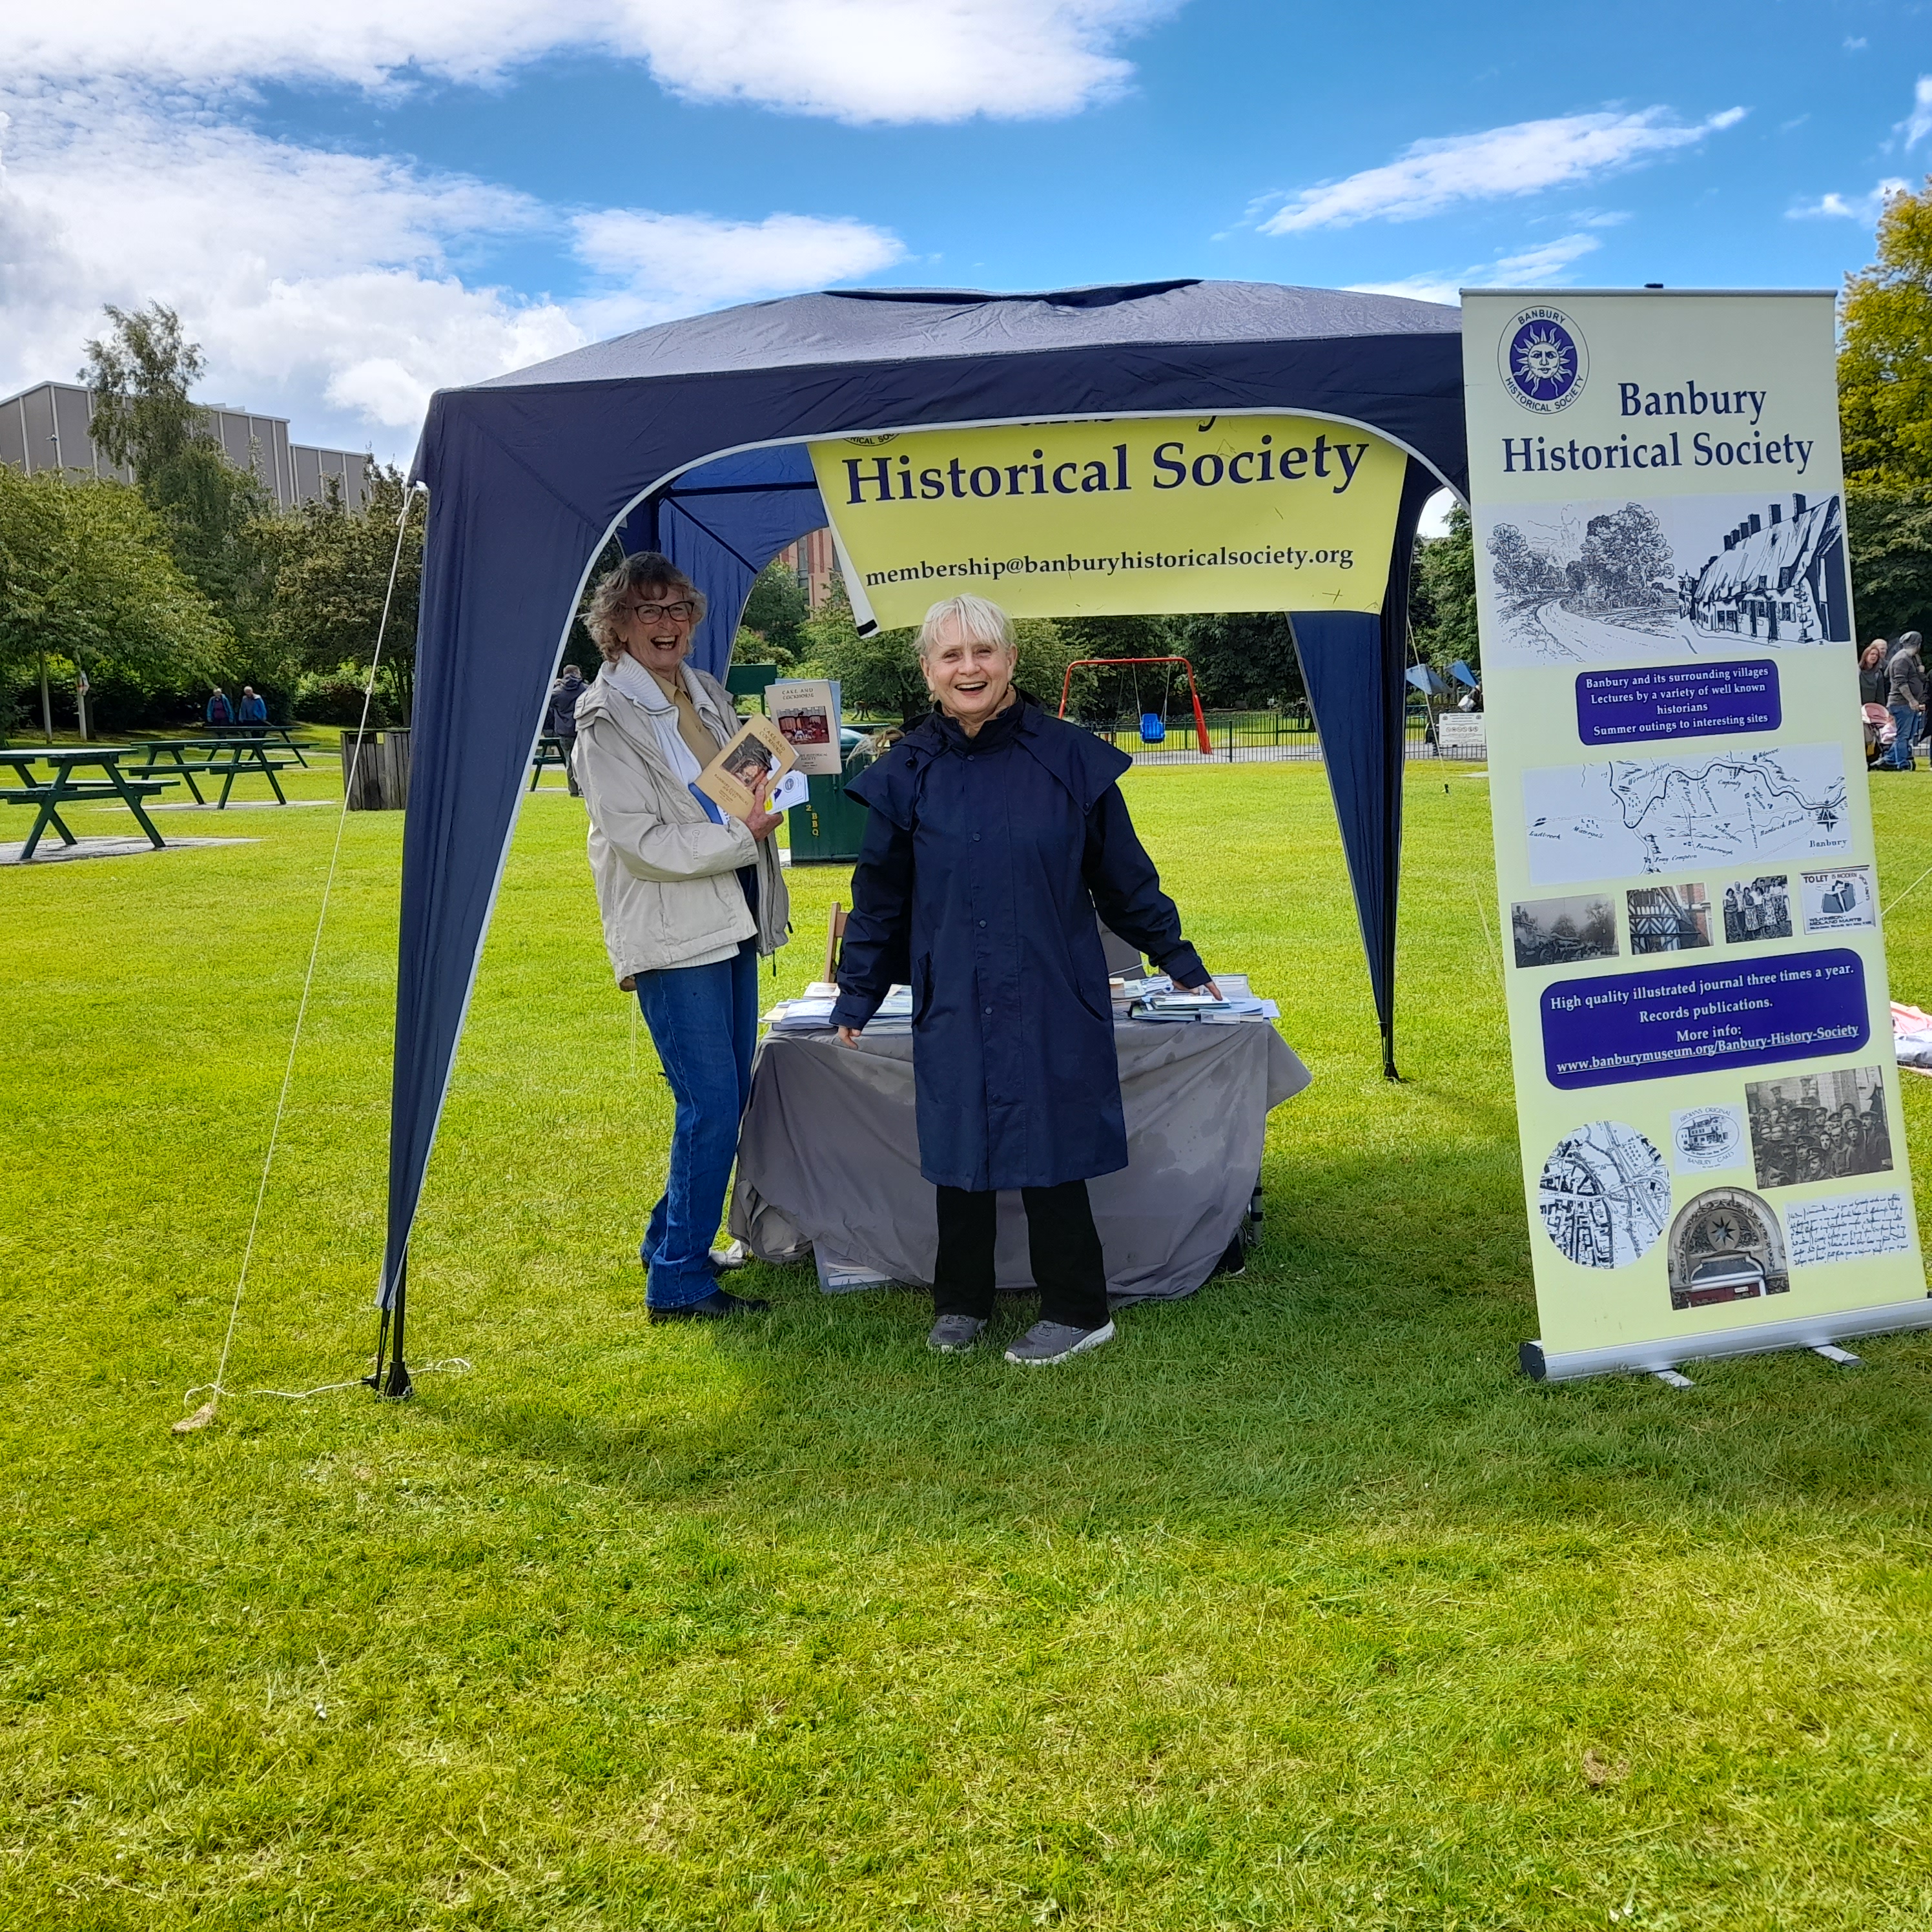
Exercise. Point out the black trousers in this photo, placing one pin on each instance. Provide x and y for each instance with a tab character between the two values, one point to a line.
1062	1241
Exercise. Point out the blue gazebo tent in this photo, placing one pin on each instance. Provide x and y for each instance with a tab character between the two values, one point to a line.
689	438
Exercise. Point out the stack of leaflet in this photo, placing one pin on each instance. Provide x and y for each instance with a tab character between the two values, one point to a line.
1159	1001
811	1013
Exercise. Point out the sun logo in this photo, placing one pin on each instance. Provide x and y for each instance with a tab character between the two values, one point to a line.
1541	360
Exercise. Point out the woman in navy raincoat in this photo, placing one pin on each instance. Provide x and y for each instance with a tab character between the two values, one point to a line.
994	833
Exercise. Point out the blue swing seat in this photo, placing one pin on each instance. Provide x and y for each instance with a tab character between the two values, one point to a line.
1154	728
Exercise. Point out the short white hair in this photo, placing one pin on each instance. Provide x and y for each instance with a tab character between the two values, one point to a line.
978	619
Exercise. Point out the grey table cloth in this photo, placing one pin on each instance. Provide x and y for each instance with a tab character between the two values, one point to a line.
828	1154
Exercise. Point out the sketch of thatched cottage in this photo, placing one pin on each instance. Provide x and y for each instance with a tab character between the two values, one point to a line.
1778	578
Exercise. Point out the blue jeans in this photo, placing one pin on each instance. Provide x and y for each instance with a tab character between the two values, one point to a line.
1906	721
704	1023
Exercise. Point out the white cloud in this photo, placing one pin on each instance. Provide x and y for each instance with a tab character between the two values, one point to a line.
327	286
854	60
1434	174
669	265
1864	209
1917	123
1544	266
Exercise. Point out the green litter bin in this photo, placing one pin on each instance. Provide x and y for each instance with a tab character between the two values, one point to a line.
827	829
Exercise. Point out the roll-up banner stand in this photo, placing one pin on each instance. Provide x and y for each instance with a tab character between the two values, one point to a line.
1706	1091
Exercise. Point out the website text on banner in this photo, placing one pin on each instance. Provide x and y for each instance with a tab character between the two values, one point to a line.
1712	1146
1108	519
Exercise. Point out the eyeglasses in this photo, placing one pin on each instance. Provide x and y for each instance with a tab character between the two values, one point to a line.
680	610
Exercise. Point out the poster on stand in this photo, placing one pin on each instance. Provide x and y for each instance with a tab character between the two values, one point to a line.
1714	1156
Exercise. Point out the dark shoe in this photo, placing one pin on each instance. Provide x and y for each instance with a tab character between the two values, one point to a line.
1047	1341
954	1334
715	1306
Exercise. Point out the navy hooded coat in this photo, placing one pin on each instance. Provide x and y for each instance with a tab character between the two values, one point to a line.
984	861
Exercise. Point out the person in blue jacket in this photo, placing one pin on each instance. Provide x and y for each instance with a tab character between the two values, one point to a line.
994	833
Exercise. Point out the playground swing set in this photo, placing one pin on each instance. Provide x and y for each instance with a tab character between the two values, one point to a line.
1153	723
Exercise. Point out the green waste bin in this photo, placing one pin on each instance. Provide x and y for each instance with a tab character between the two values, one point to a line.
827	829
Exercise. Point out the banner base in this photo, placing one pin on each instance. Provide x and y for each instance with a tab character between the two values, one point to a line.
1816	1332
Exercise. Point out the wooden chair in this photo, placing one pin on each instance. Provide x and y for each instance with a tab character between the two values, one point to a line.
835	939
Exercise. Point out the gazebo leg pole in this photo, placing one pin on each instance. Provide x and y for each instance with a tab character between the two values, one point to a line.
396	1385
1388	1054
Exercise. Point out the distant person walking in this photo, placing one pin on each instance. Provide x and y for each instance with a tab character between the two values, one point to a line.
253	710
1906	699
220	711
560	719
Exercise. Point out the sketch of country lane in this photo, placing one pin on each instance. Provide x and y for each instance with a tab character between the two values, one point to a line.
1673	814
1617	581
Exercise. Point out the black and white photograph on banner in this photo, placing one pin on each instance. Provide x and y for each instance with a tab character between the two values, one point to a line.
1559	932
1612	579
1756	909
1668	918
1819	1126
1725	1246
1839	900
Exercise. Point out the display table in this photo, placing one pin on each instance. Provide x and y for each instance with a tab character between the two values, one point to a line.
829	1153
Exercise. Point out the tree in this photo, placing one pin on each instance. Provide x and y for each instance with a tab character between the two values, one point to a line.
1885	356
776	611
1243	660
141	372
1626	561
86	577
879	675
1442	596
329	569
1890	532
1522	570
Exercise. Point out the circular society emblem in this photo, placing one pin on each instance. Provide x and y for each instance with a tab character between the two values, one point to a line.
1544	360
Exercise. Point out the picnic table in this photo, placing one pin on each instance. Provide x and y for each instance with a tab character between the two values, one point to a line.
49	795
281	735
551	753
227	757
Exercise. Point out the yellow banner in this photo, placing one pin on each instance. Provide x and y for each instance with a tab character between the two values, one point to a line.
1112	518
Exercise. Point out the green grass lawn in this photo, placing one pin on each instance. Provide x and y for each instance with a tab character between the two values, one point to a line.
1297	1607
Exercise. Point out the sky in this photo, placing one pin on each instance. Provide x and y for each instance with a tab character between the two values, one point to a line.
352	204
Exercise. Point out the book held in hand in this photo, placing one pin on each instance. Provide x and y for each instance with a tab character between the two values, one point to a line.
747	768
805	710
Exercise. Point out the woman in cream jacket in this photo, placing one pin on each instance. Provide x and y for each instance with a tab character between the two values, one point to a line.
690	898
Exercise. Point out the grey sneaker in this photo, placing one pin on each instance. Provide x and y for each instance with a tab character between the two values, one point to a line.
1055	1341
954	1334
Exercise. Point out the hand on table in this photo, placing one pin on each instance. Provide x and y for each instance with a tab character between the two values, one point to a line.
848	1036
1206	986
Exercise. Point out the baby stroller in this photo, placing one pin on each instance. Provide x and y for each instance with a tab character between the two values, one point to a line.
1881	732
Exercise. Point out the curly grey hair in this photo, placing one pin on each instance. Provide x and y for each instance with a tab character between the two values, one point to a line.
646	571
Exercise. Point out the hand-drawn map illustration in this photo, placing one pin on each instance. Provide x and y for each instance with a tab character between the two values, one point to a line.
1590	582
1604	1195
1710	808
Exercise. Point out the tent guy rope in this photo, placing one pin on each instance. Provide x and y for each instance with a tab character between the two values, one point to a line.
206	1414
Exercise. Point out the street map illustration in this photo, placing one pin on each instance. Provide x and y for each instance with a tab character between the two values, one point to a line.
1633	815
1604	1195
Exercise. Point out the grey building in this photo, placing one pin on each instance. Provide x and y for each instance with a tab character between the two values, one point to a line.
48	427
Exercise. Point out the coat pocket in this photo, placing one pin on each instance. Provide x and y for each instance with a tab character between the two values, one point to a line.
921	990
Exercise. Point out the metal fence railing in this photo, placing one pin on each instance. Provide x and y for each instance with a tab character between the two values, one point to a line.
1245	737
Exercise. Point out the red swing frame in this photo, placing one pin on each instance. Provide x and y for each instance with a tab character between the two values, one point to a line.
1193	689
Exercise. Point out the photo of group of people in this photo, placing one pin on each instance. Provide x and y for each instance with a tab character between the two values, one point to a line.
1819	1126
1756	909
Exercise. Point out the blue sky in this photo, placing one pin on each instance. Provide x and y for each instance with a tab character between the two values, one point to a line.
350	208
